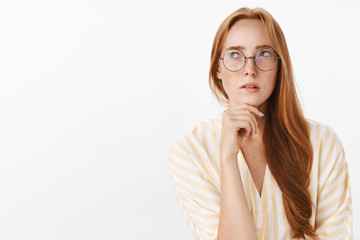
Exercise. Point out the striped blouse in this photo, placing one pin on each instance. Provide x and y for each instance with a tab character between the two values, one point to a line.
195	173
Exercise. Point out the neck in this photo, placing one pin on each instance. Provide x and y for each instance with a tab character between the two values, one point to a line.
261	121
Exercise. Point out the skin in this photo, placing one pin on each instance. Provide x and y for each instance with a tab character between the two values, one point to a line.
242	128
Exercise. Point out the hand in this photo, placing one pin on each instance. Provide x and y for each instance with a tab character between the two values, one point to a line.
238	123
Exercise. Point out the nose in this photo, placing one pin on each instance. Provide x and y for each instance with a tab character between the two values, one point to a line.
250	68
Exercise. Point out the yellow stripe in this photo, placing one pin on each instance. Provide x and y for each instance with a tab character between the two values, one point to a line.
186	213
314	168
182	156
185	169
318	130
339	185
205	144
334	224
255	197
197	185
325	139
193	183
285	221
274	198
199	160
248	197
326	161
264	233
215	146
337	213
336	233
334	202
183	198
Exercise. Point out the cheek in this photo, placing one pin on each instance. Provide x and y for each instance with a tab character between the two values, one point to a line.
226	86
221	71
230	82
226	77
272	78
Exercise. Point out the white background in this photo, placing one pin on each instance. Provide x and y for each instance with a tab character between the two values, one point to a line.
94	93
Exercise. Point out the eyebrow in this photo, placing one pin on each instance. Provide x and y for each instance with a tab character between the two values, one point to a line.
242	48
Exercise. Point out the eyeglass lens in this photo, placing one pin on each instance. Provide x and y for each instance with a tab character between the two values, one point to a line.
265	59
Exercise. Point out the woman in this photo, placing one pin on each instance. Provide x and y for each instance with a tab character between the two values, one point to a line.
260	170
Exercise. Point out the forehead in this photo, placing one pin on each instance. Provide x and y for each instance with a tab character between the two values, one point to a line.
247	34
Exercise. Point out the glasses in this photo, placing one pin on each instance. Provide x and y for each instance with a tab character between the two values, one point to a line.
265	59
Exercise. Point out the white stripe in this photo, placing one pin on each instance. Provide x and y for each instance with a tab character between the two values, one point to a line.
332	197
280	209
184	192
193	178
324	154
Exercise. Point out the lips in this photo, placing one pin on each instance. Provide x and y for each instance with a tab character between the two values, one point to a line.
250	86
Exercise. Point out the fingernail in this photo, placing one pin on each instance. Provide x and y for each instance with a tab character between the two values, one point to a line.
257	129
254	136
261	113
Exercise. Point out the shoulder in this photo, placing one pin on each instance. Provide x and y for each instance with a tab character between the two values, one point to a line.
196	153
201	135
213	123
328	152
319	126
329	184
200	146
323	136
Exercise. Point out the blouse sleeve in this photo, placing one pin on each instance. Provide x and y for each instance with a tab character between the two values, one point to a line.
194	181
334	205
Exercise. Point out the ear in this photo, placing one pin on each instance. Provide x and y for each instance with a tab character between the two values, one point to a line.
218	74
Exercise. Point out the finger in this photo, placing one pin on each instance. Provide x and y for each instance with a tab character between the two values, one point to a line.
255	125
247	128
255	111
246	115
246	122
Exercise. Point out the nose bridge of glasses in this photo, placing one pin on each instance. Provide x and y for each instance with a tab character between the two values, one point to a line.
254	57
246	58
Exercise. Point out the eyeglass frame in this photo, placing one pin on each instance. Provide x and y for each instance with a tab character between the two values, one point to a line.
254	57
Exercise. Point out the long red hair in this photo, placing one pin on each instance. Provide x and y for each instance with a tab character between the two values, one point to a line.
286	133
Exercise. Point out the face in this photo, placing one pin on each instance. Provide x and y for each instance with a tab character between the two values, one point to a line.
249	36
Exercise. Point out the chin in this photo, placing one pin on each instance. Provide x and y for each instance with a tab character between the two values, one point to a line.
251	102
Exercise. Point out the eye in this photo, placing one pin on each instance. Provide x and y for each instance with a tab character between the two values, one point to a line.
264	53
234	54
